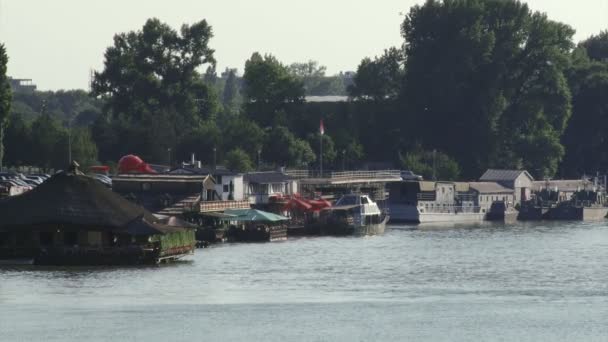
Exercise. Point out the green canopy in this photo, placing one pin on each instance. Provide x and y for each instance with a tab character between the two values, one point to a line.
253	215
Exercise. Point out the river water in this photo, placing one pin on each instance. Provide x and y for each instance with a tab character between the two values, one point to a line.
528	282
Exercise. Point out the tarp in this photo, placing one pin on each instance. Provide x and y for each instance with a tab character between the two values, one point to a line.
218	215
253	215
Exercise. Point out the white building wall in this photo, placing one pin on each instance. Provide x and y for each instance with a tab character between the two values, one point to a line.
223	188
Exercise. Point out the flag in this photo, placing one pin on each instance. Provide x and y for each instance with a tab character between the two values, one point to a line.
321	128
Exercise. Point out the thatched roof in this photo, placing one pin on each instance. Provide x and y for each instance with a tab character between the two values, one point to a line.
78	200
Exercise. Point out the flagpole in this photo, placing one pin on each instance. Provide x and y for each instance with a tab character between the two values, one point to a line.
321	155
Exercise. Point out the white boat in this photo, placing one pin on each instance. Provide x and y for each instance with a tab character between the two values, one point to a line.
428	202
353	215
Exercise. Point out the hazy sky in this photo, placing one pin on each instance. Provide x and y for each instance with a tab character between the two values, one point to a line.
57	43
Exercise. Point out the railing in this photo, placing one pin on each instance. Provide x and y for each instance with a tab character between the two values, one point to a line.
222	205
426	196
450	209
341	175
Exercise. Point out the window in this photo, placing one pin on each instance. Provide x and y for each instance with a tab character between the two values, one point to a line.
226	188
218	179
364	200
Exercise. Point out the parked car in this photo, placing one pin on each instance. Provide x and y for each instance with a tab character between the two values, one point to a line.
409	175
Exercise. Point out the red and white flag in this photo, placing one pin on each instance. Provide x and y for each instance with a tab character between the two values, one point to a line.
321	128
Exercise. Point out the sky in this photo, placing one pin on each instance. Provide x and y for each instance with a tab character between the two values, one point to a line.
57	43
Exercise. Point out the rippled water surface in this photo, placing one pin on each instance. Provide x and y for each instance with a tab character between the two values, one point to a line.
533	282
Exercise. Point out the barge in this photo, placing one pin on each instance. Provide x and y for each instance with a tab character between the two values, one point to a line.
73	219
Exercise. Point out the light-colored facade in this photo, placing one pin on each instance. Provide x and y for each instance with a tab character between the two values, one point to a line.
424	201
520	181
260	187
488	193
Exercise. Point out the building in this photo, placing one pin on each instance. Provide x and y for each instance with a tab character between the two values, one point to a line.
261	187
22	85
74	219
519	181
228	184
487	193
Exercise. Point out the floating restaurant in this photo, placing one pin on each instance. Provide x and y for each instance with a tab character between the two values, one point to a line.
73	219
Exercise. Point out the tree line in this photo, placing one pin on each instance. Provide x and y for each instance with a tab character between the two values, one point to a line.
476	84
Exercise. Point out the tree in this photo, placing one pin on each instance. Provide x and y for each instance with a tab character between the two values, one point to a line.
380	78
5	100
584	139
18	142
202	142
230	94
329	149
238	160
269	89
283	148
597	46
49	142
430	164
84	150
243	134
150	80
484	78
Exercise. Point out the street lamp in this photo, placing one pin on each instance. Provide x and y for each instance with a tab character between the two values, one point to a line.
214	158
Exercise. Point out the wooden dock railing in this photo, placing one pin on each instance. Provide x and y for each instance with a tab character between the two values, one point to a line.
211	206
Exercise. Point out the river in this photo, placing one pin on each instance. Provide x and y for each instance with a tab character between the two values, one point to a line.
527	282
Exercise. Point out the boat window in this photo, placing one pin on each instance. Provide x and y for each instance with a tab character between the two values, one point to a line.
364	200
347	200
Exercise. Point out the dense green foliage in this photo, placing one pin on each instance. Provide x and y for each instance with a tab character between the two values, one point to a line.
5	100
430	164
238	160
476	84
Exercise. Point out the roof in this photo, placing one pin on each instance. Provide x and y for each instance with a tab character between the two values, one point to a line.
77	200
503	175
461	186
253	215
267	177
490	188
569	185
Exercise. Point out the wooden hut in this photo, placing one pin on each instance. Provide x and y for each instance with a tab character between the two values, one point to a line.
72	219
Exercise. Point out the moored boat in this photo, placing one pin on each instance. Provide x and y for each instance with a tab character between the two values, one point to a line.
585	205
353	215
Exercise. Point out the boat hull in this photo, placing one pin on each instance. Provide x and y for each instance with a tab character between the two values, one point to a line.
411	214
533	213
571	213
337	229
